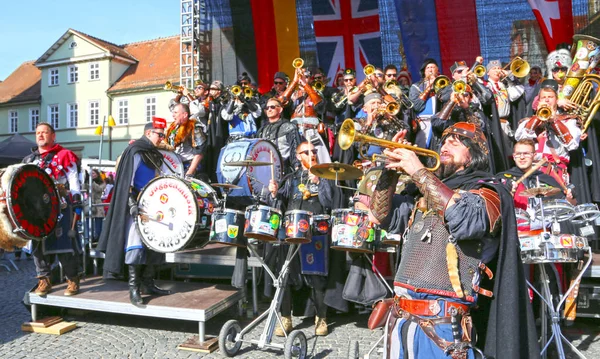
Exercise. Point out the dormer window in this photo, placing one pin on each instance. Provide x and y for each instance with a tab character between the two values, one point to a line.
72	45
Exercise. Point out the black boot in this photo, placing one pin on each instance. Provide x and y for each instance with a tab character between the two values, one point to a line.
148	285
135	274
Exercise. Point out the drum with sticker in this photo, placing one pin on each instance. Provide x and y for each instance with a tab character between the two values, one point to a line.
314	256
262	223
175	213
352	231
297	224
228	228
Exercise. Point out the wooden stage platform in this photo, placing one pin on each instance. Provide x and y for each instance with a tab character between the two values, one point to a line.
188	301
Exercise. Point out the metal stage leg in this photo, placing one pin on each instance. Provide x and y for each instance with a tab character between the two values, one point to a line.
254	292
34	312
201	332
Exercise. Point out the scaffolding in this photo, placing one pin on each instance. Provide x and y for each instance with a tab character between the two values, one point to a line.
194	43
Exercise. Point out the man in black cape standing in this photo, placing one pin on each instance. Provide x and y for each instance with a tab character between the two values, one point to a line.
461	232
120	241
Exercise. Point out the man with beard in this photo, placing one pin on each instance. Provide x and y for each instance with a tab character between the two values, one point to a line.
63	166
120	239
187	137
462	232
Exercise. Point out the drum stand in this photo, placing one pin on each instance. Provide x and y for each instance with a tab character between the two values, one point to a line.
554	312
231	335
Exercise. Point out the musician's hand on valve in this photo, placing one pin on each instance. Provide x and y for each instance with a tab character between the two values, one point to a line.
566	104
403	159
273	188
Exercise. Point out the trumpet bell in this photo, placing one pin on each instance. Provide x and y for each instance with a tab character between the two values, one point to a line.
440	82
520	68
543	113
168	86
298	63
369	70
318	86
236	90
459	86
479	71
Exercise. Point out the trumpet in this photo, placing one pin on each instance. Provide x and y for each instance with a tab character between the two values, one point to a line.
348	135
369	70
518	67
318	86
544	112
248	92
235	90
460	87
298	63
440	82
393	88
170	87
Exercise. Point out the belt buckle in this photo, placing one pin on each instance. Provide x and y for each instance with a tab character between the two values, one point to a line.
435	307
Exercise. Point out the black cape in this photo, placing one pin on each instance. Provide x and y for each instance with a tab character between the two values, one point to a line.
506	324
114	230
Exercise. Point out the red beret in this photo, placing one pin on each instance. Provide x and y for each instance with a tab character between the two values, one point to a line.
158	122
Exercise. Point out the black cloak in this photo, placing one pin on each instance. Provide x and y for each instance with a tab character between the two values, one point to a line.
114	230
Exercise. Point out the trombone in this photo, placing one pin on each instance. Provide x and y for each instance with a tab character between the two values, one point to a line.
517	67
348	135
440	82
392	87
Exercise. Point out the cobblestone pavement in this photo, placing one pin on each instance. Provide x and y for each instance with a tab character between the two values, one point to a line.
102	335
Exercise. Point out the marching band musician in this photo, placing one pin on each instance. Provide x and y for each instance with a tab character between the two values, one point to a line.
463	223
280	81
63	166
302	190
281	132
341	101
460	71
556	135
188	138
532	86
242	113
217	130
198	105
425	102
120	239
558	63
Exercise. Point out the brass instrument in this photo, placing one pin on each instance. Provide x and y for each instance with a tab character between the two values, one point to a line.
586	105
369	70
440	82
518	67
576	74
544	112
341	97
318	86
393	87
348	135
170	87
235	90
248	92
479	70
460	87
298	63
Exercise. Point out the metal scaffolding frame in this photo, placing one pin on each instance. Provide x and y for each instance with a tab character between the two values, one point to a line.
194	42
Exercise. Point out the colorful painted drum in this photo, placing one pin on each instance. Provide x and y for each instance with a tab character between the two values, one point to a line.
352	231
297	224
544	247
262	223
227	228
175	213
314	256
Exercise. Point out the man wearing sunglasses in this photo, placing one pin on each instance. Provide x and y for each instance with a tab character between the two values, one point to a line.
280	82
302	190
557	63
281	132
120	239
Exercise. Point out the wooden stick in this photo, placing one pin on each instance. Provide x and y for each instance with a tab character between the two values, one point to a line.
272	166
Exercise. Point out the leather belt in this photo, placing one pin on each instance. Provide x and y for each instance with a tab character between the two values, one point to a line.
423	307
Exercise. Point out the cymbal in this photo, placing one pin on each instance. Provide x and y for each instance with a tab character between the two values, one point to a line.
329	171
248	163
225	185
540	191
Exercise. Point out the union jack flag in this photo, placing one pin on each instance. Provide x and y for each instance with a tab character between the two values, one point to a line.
347	35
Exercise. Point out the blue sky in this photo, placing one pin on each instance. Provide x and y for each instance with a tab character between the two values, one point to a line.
28	29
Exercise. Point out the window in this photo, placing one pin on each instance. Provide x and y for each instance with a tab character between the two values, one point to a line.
72	114
72	45
150	108
13	120
53	115
53	77
34	118
94	112
73	74
123	112
94	71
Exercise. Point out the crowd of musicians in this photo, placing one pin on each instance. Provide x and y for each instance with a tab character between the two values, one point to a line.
447	207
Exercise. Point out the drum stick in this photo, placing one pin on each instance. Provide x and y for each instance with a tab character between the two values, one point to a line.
272	166
531	170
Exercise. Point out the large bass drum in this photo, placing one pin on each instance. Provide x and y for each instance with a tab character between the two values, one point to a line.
253	180
29	205
175	213
173	162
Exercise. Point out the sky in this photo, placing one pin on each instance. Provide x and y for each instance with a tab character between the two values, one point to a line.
26	32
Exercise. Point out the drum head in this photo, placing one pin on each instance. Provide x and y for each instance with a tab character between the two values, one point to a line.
173	162
33	201
170	208
556	208
585	213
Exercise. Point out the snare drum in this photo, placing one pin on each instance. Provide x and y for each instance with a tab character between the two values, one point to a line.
227	227
29	205
352	231
560	209
262	223
253	180
539	247
586	213
174	162
314	256
297	224
176	213
523	219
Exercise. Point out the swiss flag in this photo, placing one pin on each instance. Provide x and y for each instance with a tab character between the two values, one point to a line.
555	18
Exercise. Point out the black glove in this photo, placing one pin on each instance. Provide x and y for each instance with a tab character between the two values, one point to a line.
133	208
229	108
252	105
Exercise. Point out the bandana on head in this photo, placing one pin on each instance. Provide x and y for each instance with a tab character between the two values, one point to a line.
468	130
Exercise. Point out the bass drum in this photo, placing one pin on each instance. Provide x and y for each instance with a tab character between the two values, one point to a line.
29	205
253	180
175	213
174	162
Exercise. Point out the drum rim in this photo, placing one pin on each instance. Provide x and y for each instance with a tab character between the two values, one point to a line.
349	210
301	211
321	217
261	206
19	231
229	210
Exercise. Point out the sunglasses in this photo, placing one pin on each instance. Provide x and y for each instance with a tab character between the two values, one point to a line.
306	152
348	80
318	77
272	107
159	134
279	83
557	69
244	83
390	75
379	75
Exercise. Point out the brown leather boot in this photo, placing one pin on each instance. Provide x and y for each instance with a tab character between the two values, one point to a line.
72	287
287	327
43	286
321	326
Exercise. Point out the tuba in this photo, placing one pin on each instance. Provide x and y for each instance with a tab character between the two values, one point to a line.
577	72
587	106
